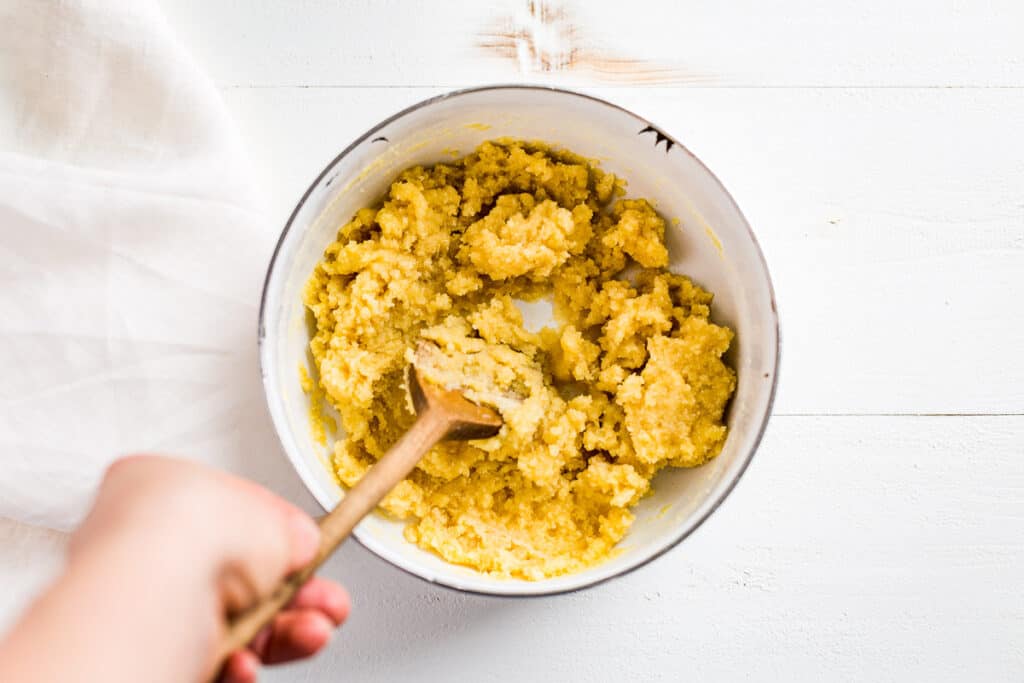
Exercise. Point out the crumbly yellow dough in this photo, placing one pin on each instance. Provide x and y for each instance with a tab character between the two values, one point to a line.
629	382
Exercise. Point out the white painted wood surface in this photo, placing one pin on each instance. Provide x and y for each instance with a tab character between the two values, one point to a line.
878	150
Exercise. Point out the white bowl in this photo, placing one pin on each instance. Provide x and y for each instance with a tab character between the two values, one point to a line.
712	243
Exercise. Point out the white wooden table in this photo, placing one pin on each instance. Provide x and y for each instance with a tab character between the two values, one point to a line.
878	150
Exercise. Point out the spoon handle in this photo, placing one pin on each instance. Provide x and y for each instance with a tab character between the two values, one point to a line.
430	426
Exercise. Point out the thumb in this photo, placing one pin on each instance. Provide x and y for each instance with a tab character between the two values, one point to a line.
265	539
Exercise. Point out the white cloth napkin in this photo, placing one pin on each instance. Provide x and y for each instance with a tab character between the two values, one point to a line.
131	258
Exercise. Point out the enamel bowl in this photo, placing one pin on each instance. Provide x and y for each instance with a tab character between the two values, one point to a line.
711	242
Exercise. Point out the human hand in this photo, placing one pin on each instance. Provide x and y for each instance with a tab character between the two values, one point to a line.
169	550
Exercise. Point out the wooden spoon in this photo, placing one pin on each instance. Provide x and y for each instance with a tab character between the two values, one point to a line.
440	414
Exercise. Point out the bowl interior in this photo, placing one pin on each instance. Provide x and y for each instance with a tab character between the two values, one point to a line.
711	242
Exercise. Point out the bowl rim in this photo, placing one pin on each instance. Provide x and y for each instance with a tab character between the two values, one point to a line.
640	561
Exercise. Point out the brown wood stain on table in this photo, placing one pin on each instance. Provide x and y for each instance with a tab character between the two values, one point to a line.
546	38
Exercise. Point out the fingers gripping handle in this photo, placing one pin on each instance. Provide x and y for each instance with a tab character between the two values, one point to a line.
430	427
